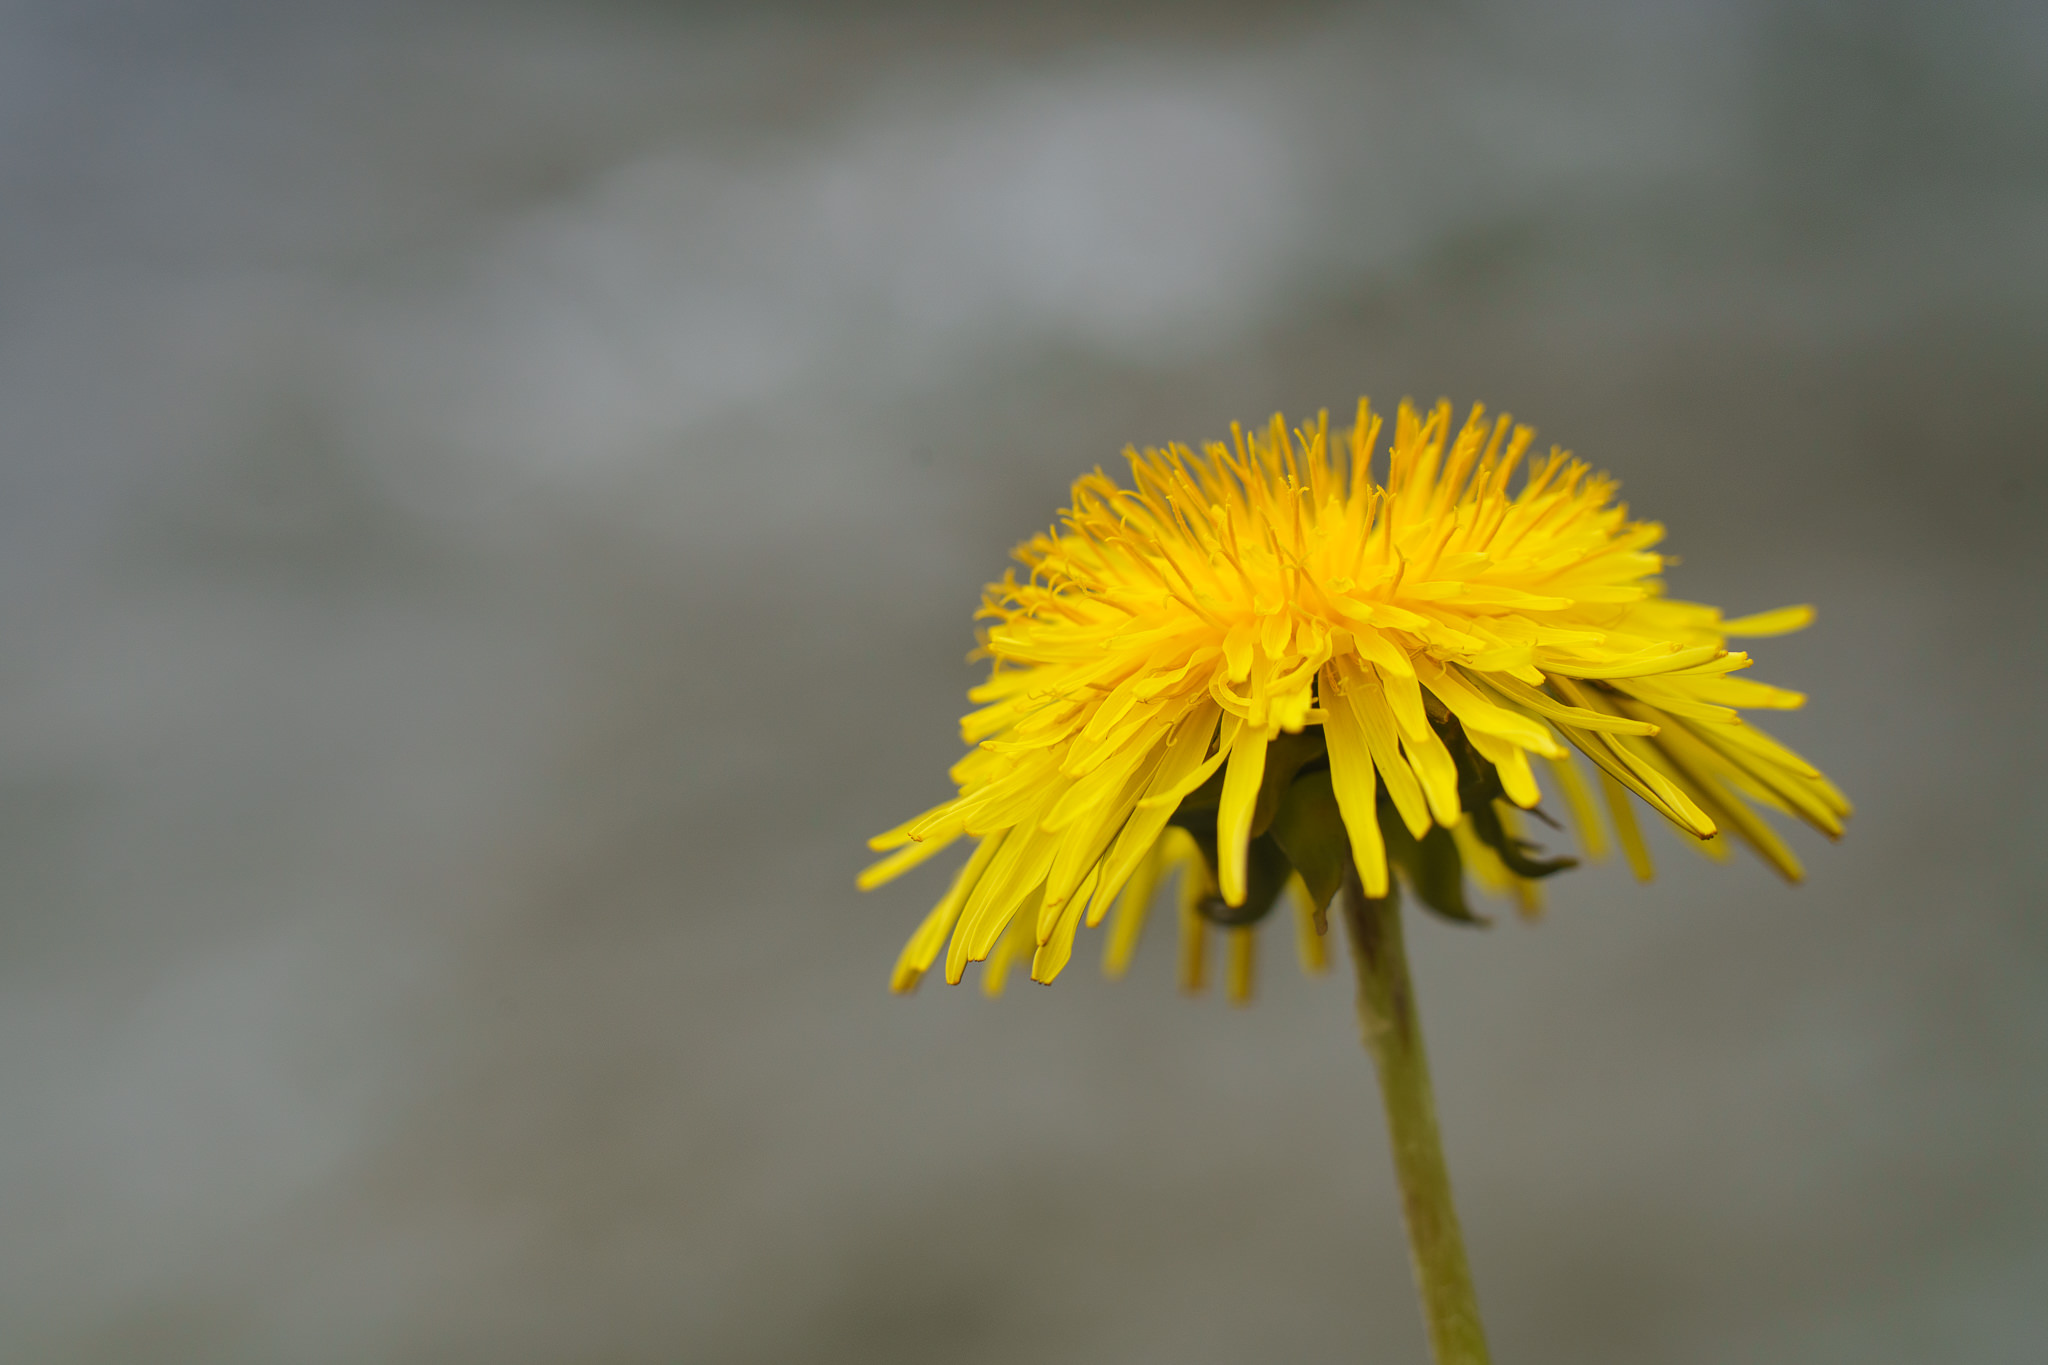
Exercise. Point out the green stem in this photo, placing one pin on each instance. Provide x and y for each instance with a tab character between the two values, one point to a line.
1393	1035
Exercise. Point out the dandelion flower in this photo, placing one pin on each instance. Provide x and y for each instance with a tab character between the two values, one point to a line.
1215	669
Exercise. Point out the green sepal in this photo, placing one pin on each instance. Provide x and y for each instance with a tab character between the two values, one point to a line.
1310	832
1514	853
1433	867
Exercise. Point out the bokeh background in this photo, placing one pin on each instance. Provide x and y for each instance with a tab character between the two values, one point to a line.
492	501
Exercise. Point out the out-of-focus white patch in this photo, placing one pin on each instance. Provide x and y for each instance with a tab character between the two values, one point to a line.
1140	212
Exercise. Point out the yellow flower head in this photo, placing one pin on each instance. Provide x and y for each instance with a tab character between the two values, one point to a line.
1260	666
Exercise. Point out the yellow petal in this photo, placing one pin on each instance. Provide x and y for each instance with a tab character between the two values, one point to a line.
1477	714
1351	777
1382	736
1625	828
1193	969
1057	948
1512	763
1579	800
1783	621
902	860
1234	813
918	954
1243	957
1132	908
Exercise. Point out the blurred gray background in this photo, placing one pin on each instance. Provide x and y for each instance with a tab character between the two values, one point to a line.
491	506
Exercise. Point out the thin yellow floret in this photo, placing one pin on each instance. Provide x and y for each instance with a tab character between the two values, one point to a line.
1168	631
